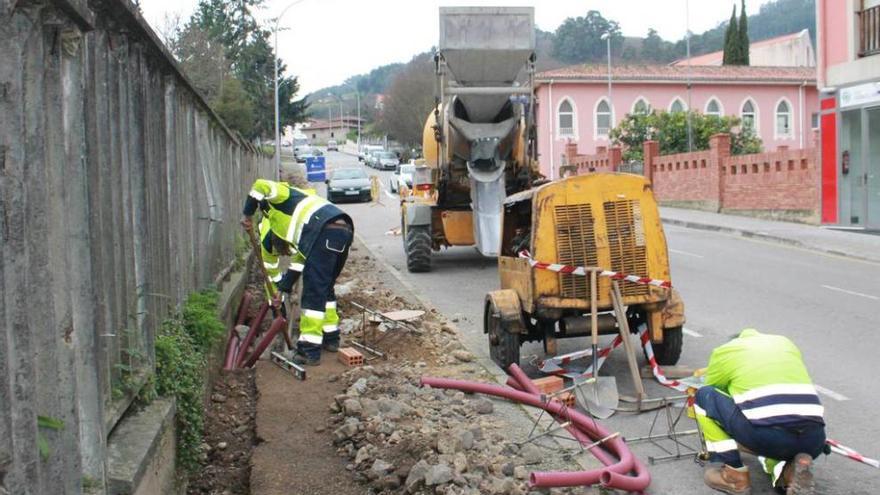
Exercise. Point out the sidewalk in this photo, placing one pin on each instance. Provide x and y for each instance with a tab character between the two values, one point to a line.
850	244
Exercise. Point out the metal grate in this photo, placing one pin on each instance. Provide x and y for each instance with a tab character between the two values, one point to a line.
575	245
626	242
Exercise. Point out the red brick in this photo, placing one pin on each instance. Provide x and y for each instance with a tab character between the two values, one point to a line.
549	384
567	398
350	357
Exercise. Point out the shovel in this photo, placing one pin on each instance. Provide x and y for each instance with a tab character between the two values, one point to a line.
600	393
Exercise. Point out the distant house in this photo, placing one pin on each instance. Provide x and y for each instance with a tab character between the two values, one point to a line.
790	50
573	104
319	132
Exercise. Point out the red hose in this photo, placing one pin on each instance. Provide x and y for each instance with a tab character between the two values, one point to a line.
252	333
586	427
231	351
278	324
243	307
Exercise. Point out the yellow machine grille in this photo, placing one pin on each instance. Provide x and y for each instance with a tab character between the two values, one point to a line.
575	245
626	241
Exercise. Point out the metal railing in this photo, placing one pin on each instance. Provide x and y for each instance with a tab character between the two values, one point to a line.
869	31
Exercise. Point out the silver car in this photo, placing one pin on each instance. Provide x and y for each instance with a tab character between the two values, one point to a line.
386	160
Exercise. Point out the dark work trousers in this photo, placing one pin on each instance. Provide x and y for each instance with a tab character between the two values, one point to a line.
323	265
775	442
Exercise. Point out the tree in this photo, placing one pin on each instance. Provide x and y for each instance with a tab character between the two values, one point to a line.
578	39
234	107
743	35
653	47
408	102
731	41
202	59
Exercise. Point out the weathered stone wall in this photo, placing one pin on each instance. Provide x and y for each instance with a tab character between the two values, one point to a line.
119	194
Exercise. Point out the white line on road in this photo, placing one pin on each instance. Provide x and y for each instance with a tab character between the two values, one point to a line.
688	331
391	196
852	293
685	253
830	393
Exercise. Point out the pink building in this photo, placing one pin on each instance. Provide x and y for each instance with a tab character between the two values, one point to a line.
848	45
781	103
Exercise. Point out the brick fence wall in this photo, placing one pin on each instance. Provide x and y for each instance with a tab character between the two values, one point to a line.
780	184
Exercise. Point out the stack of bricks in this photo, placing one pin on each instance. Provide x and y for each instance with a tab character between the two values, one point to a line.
550	385
350	357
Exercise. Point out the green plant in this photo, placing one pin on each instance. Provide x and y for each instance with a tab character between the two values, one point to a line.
182	345
670	129
49	423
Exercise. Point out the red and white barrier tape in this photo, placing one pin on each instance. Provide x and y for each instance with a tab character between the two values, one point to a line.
849	453
583	272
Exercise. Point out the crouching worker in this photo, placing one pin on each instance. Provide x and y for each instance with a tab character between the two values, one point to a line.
322	234
759	398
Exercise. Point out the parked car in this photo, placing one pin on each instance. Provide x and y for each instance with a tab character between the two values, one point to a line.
366	149
370	158
348	184
386	160
403	177
303	152
332	145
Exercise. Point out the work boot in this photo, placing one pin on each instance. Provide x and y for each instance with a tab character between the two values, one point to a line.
727	479
797	476
303	359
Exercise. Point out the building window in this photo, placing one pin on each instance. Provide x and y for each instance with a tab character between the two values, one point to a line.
868	27
814	120
713	108
677	106
603	118
331	134
783	120
749	114
641	107
566	118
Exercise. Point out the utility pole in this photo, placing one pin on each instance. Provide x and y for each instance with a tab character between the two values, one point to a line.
607	38
277	114
687	21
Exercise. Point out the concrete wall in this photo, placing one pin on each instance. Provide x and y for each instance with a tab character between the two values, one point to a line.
120	194
585	96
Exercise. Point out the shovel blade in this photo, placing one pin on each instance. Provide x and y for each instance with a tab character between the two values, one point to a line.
601	396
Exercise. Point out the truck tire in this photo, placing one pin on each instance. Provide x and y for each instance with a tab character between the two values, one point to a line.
503	345
418	249
669	351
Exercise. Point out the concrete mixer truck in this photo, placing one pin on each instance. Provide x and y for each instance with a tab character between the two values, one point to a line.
479	141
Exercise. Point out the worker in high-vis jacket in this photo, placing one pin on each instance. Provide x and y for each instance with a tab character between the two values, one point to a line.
322	234
272	248
758	397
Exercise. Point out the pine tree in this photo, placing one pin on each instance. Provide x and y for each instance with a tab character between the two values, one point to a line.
731	50
743	36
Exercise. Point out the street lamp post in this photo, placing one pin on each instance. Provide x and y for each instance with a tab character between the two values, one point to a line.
277	115
687	15
607	38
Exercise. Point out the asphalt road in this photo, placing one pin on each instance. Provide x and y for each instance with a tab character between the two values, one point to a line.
827	304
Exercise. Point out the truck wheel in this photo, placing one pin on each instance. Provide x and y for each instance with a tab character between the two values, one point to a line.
669	351
503	345
418	249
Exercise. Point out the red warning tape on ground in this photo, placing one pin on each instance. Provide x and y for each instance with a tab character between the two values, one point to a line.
583	272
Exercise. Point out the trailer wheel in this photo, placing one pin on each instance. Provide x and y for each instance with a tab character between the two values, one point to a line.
503	345
418	249
669	351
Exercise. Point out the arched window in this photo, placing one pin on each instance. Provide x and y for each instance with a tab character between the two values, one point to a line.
603	118
677	106
783	119
713	107
641	107
749	115
565	119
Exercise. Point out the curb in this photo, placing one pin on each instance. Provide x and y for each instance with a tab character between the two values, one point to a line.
763	236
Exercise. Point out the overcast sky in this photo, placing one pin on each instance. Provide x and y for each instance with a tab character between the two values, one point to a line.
327	41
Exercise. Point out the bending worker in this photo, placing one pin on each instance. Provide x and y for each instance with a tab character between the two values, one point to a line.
272	248
322	234
759	397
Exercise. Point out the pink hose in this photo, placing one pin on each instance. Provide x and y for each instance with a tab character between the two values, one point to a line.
252	333
243	307
614	475
231	350
278	324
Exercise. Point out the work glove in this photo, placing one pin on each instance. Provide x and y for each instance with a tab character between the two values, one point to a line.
288	281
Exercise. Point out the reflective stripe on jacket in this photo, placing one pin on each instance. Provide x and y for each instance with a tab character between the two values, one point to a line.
271	259
295	215
766	377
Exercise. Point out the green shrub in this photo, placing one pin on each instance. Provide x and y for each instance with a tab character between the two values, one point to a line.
182	345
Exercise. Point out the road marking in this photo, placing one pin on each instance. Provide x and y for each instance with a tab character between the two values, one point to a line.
852	293
830	393
692	333
685	253
391	196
